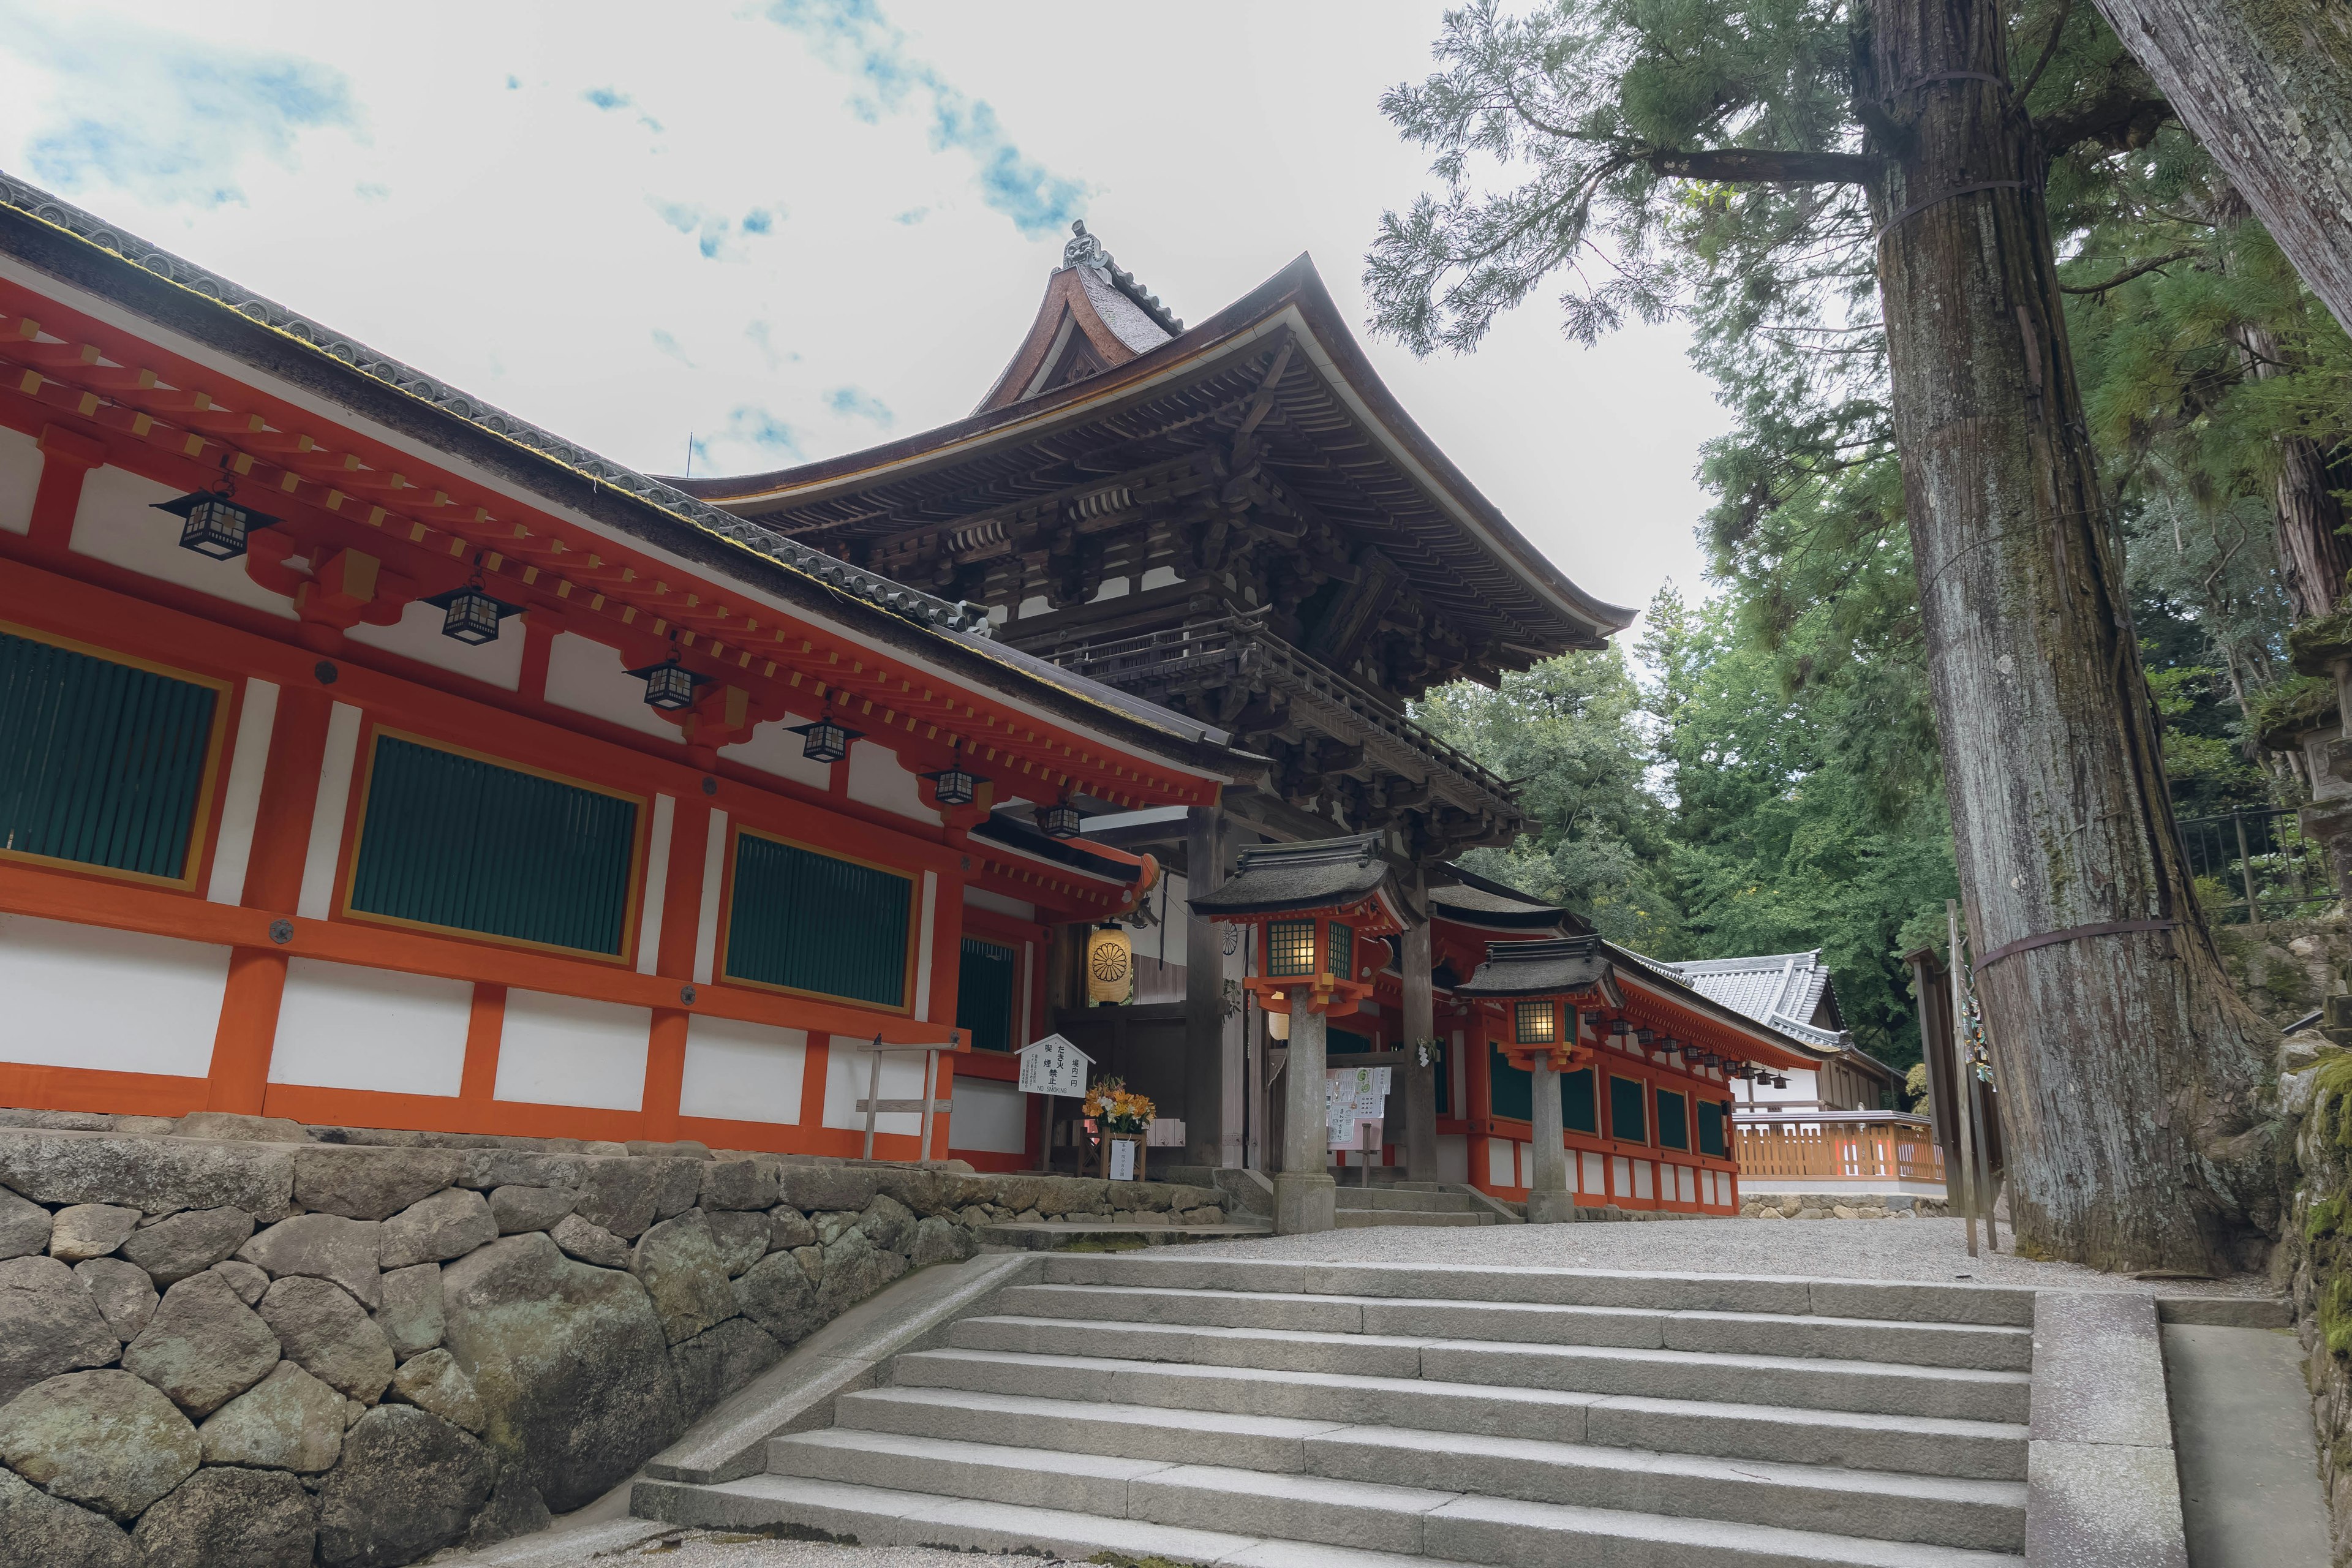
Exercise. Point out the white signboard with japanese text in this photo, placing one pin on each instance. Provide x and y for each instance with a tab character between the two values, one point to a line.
1352	1096
1122	1158
1054	1066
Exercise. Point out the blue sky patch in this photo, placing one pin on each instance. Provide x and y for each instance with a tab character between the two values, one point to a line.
856	403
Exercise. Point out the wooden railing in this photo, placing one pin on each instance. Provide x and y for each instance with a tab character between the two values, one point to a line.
1887	1146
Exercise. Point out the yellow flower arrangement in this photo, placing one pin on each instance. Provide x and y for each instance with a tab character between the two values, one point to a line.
1117	1110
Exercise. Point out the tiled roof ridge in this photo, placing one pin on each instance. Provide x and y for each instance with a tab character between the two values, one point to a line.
1085	250
911	603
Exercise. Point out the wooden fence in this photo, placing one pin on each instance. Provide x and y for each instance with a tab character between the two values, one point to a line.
1893	1150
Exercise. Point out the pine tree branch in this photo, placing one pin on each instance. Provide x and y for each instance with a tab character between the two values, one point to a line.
1750	165
2117	121
2127	274
2049	51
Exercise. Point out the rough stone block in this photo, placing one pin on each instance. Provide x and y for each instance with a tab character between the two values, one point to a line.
411	1314
153	1174
518	1208
102	1440
449	1224
435	1381
227	1126
48	1325
231	1518
679	1262
188	1242
79	1231
678	1183
939	1241
38	1531
248	1281
288	1421
204	1347
331	1335
923	1192
590	1242
826	1187
409	1484
125	1297
742	1235
536	1166
887	1223
621	1195
854	1269
322	1246
371	1184
515	1509
715	1364
24	1227
569	1361
788	1228
737	1184
779	1295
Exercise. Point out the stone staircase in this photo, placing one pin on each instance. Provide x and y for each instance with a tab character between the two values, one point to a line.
1271	1414
1406	1202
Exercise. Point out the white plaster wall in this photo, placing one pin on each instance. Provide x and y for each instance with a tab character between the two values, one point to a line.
1502	1163
990	1116
587	678
981	898
343	1027
845	1070
417	636
1595	1177
20	478
563	1050
114	524
1453	1157
875	779
775	749
82	996
743	1072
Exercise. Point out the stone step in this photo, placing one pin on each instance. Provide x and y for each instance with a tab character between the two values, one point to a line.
1054	1236
1887	1300
1345	1218
1443	1527
1401	1200
1973	1450
1843	1500
1817	1382
1753	1333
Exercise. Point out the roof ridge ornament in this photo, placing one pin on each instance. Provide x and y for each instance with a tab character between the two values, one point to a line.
1084	249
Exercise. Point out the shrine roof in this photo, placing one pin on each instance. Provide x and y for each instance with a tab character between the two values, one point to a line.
1473	900
1334	436
1783	989
1567	964
51	239
1326	873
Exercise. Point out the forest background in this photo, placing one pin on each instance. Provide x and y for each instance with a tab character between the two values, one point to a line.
1759	773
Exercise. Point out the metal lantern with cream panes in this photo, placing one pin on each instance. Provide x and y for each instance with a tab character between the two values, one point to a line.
1540	989
1320	910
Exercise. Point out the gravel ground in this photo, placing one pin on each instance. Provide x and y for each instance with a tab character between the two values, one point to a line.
1836	1249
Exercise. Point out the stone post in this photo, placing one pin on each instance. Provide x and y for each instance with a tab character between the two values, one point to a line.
1305	1197
1548	1200
1420	1023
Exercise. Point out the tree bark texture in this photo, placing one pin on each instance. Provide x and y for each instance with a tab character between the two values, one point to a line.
2267	87
2313	551
2127	1064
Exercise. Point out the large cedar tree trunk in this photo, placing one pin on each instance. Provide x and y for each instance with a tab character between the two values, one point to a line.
2267	87
2314	554
2128	1065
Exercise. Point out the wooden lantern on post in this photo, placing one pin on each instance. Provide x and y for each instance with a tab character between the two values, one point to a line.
1320	910
1542	987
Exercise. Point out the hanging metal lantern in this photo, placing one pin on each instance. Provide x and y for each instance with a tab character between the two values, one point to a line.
211	525
953	787
1536	1024
826	740
1645	1036
470	615
1060	820
1111	965
669	686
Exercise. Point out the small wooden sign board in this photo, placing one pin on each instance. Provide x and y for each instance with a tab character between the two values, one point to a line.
1054	1066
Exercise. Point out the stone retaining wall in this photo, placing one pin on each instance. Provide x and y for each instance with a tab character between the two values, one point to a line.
1839	1206
2313	1262
239	1343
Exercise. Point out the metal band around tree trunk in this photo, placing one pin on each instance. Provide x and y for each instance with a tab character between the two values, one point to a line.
2072	934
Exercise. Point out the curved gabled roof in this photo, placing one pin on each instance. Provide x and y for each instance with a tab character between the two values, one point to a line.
1337	437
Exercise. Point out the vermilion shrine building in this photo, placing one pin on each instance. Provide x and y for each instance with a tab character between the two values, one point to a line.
453	777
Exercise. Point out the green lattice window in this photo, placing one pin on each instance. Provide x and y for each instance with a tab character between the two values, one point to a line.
1711	1141
1628	1108
455	841
1578	1111
1510	1091
818	924
988	984
1343	951
1674	1119
102	763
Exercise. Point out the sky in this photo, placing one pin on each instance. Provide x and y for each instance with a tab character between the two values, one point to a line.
791	228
